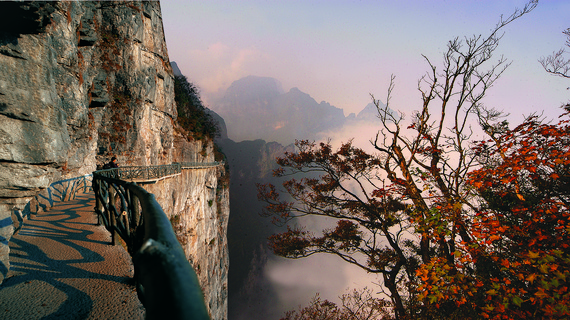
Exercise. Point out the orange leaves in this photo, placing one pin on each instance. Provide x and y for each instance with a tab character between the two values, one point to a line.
491	292
533	255
523	235
442	283
478	184
493	238
506	180
423	273
531	277
532	169
507	258
541	294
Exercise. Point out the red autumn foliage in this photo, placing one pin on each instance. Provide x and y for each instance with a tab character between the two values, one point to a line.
407	212
518	265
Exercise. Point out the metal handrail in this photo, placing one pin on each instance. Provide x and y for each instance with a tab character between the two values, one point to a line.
142	172
155	172
200	165
167	284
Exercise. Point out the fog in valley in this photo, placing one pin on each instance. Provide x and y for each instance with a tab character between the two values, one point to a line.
262	123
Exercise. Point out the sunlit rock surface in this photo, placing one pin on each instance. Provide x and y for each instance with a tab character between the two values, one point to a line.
81	82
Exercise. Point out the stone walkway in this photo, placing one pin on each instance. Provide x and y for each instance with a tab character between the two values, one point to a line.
62	267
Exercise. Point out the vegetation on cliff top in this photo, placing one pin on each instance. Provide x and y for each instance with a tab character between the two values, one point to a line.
192	115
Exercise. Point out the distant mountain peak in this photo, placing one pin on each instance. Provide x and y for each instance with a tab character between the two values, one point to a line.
370	112
257	107
256	83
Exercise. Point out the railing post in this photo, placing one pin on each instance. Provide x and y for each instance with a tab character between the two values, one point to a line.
136	212
98	205
113	218
107	204
125	217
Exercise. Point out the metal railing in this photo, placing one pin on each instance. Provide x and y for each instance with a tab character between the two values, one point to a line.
200	165
148	173
166	283
142	172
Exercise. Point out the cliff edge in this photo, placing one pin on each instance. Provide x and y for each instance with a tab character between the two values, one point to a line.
80	82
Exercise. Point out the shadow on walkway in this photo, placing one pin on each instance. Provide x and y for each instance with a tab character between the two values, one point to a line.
62	267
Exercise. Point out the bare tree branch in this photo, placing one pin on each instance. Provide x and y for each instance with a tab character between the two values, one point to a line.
557	63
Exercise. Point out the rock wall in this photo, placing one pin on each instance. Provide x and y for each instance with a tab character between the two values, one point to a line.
80	82
199	217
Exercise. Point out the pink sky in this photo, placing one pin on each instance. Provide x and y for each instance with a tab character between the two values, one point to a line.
341	51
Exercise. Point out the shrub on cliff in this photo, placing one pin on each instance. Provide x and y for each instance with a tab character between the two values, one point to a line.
192	115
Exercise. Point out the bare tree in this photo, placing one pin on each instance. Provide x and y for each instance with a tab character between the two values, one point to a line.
355	305
409	204
557	63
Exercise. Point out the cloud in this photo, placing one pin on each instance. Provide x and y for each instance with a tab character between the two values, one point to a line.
224	64
297	281
360	132
216	51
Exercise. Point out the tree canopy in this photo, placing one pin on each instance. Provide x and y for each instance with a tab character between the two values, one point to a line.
454	227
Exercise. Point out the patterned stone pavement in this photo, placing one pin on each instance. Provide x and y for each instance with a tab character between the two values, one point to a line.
62	267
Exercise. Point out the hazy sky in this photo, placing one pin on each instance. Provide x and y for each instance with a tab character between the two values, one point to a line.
341	51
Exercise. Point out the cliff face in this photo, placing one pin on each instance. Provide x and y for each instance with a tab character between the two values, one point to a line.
251	293
81	82
200	218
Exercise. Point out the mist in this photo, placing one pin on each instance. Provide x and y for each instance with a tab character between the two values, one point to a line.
262	285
